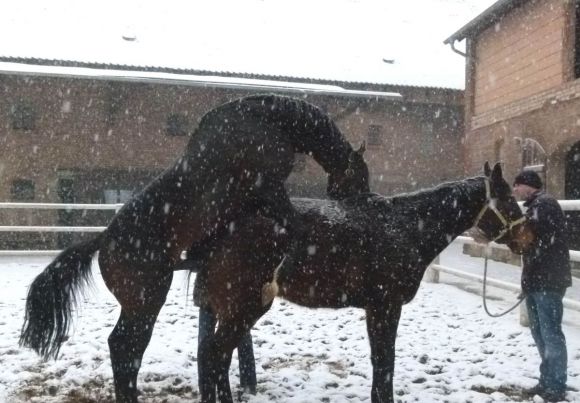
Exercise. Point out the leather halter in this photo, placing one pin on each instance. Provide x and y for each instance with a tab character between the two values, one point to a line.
507	226
349	172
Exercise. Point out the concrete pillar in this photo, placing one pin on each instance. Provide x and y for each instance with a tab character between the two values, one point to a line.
524	320
432	275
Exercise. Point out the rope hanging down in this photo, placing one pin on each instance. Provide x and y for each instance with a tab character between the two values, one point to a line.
495	315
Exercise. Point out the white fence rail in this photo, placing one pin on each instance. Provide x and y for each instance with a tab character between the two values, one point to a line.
438	268
55	206
60	206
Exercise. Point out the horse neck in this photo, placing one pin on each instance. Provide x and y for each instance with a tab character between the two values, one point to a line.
311	131
320	138
332	159
452	212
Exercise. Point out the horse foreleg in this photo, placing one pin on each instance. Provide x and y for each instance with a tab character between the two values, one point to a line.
213	368
382	323
217	351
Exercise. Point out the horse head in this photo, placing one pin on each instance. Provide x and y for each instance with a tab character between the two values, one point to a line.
501	219
351	181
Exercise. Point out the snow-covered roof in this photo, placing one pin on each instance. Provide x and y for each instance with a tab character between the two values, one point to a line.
397	42
153	76
485	19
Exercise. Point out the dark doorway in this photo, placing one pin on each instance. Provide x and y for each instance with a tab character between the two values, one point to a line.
65	191
572	192
572	184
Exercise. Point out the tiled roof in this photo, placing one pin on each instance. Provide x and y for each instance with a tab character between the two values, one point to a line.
160	69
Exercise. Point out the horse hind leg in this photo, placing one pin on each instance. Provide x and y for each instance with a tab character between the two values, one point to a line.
131	336
216	354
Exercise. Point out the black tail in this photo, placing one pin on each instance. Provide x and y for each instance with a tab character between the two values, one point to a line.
52	296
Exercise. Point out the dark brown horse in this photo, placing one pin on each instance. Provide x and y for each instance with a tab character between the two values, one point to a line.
235	164
368	251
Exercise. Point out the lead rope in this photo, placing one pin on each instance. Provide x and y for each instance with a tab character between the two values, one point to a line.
495	315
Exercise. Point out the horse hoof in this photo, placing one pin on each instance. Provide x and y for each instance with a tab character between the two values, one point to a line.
269	292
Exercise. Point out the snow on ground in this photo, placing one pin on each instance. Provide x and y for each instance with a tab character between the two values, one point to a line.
448	350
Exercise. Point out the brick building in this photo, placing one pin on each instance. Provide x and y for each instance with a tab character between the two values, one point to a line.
522	93
68	136
522	96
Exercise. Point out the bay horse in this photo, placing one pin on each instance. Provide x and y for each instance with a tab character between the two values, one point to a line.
367	251
235	164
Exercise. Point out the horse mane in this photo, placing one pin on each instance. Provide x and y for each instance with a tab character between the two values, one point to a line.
464	188
423	200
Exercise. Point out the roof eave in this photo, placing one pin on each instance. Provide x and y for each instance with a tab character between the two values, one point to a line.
488	17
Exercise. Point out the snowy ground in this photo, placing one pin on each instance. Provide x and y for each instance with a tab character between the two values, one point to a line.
448	350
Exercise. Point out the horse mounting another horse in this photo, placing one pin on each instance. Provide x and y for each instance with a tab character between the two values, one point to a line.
367	251
235	164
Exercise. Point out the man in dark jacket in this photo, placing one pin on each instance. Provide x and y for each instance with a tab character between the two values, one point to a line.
545	277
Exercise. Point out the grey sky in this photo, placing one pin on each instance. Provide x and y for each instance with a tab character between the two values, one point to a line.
326	39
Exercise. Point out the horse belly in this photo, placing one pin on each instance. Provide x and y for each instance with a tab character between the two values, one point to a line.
329	281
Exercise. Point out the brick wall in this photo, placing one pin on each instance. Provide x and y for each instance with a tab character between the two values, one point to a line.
105	135
521	55
555	125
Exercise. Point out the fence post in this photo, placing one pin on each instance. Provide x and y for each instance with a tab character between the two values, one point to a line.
524	319
431	275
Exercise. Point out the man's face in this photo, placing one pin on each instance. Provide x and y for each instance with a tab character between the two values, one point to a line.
521	192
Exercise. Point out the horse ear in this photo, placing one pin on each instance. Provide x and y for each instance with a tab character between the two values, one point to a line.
497	173
363	147
486	169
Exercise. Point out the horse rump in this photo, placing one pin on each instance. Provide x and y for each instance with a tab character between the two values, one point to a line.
52	296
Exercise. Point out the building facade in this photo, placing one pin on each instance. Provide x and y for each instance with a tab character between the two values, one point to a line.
522	94
71	139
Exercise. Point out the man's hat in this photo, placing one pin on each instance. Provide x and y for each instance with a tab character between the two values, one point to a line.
530	178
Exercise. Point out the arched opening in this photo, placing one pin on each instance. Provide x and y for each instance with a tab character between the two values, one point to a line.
572	181
534	157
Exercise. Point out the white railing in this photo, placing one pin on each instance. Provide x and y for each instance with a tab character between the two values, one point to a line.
438	268
52	228
55	206
61	206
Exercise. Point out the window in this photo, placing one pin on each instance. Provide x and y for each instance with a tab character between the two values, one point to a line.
299	163
497	149
428	138
374	135
114	99
22	190
23	116
534	156
114	196
176	125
